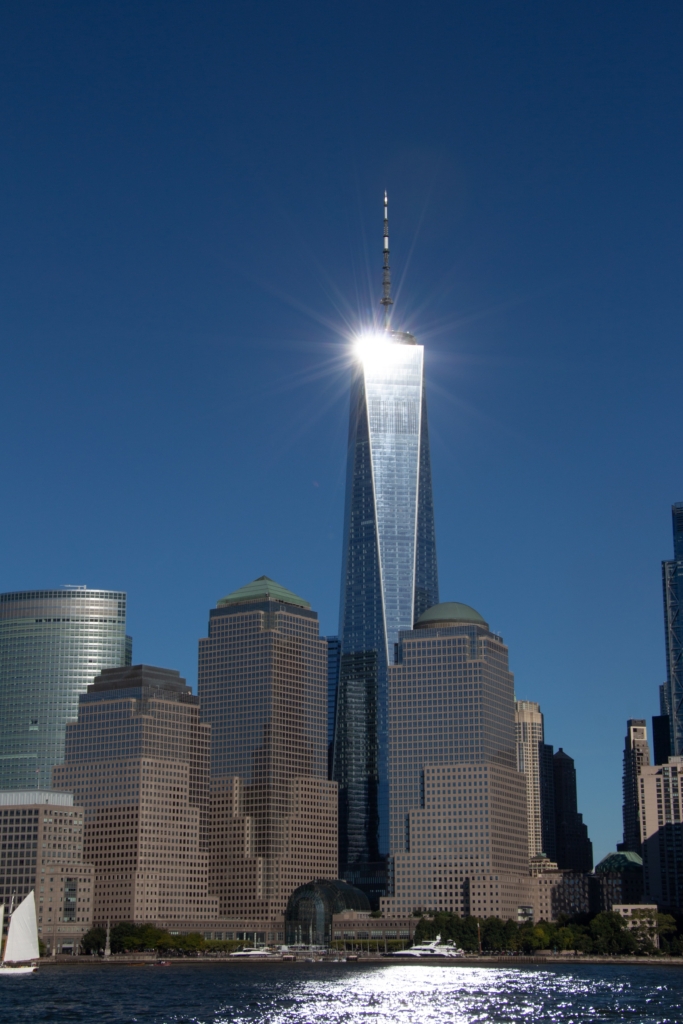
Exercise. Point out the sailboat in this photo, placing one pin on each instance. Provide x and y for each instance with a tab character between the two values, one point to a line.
21	949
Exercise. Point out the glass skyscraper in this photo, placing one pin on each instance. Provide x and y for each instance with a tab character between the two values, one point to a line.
389	577
52	645
672	580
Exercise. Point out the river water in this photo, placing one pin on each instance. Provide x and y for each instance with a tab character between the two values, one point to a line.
282	993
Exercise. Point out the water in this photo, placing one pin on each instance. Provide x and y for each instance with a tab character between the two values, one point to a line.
189	993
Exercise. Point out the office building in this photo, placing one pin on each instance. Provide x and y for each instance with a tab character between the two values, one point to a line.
333	657
52	645
661	739
457	801
547	781
389	577
636	757
137	760
619	877
672	583
263	689
529	731
41	849
641	919
574	850
661	826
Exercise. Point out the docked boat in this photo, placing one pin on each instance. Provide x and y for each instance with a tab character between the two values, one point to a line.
432	950
253	954
21	949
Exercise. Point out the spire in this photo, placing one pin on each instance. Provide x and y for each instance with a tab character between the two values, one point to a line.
386	299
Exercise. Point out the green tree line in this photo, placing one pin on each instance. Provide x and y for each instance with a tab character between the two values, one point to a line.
134	938
604	934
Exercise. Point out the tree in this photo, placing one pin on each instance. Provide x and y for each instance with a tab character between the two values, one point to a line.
94	940
610	934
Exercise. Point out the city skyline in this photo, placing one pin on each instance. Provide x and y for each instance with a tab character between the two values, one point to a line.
190	243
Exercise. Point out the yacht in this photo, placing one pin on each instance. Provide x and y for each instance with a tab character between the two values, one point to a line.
253	954
431	950
21	949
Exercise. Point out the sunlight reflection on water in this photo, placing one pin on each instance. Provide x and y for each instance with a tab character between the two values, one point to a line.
345	994
427	995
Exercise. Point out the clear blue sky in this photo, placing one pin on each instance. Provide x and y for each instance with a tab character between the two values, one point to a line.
191	224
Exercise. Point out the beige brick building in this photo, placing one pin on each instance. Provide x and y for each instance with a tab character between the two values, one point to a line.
137	760
458	818
660	796
263	687
529	735
42	849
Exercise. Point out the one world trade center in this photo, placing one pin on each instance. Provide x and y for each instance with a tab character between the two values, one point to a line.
389	577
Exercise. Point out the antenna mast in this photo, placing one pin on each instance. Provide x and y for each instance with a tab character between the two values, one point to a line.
386	299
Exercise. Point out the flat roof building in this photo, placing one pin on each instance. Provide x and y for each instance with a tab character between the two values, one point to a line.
41	848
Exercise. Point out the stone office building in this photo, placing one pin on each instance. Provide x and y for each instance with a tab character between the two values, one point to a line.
137	760
459	836
263	688
41	849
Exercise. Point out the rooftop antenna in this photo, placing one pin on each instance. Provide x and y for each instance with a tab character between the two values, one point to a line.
386	299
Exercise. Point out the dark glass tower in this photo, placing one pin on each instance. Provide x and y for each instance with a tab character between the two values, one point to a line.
389	577
574	849
672	580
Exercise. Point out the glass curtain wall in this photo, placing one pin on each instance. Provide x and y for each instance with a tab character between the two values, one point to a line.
389	577
52	645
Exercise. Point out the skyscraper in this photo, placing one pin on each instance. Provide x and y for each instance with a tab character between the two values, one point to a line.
263	688
672	582
389	576
574	850
137	760
547	780
52	645
660	790
333	654
458	803
529	729
636	757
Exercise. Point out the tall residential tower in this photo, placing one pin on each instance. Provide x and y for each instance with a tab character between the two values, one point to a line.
636	757
389	577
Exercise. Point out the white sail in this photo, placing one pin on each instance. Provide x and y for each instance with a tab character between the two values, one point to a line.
22	937
2	921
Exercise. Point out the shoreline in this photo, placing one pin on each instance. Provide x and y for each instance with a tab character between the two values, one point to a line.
469	961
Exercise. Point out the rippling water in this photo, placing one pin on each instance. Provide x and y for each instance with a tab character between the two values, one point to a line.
344	994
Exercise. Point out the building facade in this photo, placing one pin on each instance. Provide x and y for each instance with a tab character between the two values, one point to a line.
41	849
52	645
672	584
263	689
661	825
636	757
619	879
458	821
389	577
333	659
574	850
547	783
137	760
530	738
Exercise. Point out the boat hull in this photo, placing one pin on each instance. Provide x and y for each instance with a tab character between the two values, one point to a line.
11	972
